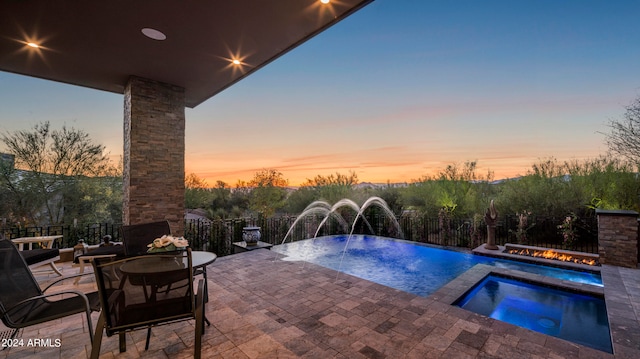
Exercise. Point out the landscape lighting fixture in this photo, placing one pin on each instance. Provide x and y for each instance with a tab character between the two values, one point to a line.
154	34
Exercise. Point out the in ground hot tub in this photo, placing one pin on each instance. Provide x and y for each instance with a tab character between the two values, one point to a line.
577	317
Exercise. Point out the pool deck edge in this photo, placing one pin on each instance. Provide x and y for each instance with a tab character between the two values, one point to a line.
623	307
621	294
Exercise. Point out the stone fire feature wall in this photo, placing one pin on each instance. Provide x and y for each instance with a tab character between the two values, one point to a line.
154	145
618	238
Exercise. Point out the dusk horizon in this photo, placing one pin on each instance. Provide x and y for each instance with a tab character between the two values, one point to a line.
481	172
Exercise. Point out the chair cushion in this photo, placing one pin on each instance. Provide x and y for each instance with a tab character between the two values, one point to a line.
34	256
118	250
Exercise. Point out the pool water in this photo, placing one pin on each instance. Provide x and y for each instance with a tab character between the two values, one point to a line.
404	265
571	316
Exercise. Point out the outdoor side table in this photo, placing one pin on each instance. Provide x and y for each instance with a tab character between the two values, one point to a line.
239	247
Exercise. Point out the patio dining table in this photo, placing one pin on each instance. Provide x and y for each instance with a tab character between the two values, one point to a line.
199	260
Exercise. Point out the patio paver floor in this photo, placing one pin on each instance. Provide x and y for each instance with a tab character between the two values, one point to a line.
265	308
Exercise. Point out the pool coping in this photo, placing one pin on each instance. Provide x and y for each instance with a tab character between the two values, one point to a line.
622	316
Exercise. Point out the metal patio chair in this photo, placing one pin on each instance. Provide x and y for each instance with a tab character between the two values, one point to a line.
23	303
145	291
136	237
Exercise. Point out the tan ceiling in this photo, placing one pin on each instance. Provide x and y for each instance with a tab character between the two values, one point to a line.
99	44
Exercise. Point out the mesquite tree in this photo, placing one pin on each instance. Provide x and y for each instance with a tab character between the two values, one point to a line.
624	138
51	173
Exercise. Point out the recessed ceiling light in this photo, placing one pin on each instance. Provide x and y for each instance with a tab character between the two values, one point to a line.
154	34
236	62
324	1
33	44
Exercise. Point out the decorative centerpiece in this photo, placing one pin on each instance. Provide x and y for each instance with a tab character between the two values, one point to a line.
167	243
251	235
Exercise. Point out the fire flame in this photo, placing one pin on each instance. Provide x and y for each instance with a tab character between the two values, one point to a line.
549	254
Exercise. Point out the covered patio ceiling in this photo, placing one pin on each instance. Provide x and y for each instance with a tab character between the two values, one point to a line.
101	44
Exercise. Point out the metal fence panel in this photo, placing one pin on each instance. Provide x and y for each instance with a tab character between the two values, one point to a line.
218	235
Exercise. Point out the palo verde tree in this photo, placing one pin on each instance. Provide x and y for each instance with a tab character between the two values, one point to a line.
51	172
456	190
606	182
545	190
331	189
268	192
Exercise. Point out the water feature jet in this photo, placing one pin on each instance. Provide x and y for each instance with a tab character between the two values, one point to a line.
332	211
329	211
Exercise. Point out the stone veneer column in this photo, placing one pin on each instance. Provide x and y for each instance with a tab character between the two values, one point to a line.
154	143
618	238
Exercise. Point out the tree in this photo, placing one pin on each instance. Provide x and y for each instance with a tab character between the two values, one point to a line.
606	182
461	191
299	199
219	200
239	199
268	192
624	138
545	190
94	200
51	168
332	188
197	195
192	181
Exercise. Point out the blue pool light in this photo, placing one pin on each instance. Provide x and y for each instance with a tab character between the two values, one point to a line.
529	314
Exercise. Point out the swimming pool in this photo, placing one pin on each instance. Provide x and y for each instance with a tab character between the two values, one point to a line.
576	317
407	266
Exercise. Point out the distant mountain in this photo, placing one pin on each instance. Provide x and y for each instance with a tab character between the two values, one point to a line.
371	185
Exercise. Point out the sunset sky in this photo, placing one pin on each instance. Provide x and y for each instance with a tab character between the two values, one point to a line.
399	90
